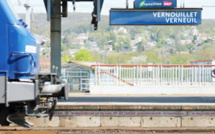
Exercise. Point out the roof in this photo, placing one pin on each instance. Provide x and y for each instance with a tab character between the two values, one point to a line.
81	63
202	61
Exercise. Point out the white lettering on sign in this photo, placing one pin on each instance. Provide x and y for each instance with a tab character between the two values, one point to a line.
177	17
31	49
167	3
153	4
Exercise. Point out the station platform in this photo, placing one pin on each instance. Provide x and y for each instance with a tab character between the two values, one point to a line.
129	115
106	130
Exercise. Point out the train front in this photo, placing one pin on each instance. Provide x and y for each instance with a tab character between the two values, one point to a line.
26	91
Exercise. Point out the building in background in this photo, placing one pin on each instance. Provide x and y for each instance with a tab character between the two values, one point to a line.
203	62
78	74
45	64
199	74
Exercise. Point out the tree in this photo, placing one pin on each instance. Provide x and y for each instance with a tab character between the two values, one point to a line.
66	58
141	46
83	55
117	46
64	47
206	54
152	57
179	59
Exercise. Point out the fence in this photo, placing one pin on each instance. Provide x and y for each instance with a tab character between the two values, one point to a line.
78	79
141	75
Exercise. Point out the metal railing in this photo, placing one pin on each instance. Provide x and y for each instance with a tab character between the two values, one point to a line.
141	75
78	79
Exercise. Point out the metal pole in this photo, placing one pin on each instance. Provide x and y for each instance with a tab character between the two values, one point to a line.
28	17
182	74
49	3
96	76
56	38
98	9
32	19
127	4
117	75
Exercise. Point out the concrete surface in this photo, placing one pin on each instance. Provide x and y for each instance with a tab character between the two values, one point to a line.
153	90
125	133
83	94
107	130
135	106
198	121
129	122
161	122
142	99
144	122
29	132
109	121
129	115
44	122
76	115
80	132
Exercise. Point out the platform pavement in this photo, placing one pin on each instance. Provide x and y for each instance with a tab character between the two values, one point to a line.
133	115
91	98
153	89
140	115
104	130
138	95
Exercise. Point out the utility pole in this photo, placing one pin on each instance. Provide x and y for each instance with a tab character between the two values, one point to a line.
32	19
56	38
28	15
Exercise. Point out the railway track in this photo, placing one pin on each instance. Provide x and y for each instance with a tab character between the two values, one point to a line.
20	130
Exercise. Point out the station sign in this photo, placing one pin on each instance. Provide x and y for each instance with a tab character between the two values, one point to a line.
156	17
155	4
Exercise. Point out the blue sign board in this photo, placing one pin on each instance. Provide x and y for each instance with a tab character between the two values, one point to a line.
156	17
155	4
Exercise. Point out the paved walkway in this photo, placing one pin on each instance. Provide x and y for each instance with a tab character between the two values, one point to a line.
82	98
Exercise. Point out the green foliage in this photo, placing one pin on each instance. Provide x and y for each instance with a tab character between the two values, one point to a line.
168	41
206	54
66	58
135	30
97	57
83	55
117	58
64	47
179	59
181	48
123	43
141	46
152	57
161	43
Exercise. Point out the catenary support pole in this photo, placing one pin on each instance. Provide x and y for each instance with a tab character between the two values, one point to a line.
56	38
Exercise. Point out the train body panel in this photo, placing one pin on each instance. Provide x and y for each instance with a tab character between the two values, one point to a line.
19	57
2	89
23	88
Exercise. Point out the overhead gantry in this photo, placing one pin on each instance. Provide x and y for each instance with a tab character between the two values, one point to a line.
150	12
57	9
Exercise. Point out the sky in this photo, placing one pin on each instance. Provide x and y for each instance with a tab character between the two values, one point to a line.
86	7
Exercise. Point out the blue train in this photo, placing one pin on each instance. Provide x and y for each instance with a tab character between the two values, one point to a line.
23	90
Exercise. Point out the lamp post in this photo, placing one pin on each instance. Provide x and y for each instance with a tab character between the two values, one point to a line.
28	15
